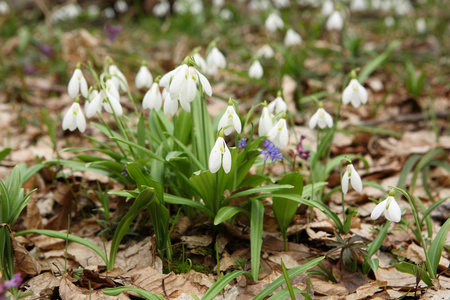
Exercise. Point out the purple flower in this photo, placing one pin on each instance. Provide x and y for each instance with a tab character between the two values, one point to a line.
14	282
302	152
29	69
112	31
271	151
242	143
46	50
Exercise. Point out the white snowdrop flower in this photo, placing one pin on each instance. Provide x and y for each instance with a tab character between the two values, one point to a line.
292	38
91	96
109	13
421	25
265	122
230	117
161	9
278	105
106	100
74	118
259	5
218	3
220	155
144	78
121	6
112	89
182	86
321	118
200	61
77	84
389	21
352	176
281	3
327	8
170	105
265	51
274	22
4	8
153	98
255	70
93	11
402	7
358	5
354	93
119	79
197	7
226	14
215	61
391	209
335	21
279	134
66	12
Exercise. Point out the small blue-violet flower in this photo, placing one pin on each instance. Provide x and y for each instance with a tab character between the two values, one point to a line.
242	143
271	151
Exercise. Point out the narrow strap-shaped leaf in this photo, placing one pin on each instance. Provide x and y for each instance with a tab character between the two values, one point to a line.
218	286
292	273
66	236
256	232
435	250
143	293
227	212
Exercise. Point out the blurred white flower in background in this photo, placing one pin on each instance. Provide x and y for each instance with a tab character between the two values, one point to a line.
256	70
335	21
274	22
292	38
265	51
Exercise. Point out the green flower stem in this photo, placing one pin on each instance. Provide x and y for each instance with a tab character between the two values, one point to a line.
418	230
111	133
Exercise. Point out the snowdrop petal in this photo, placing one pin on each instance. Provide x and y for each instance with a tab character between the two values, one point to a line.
265	122
205	84
237	122
393	213
84	87
186	105
81	121
165	80
314	119
170	105
284	137
344	183
347	95
328	120
226	160
356	180
214	161
379	209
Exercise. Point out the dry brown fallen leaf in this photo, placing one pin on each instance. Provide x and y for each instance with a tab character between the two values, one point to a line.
170	284
328	288
24	262
366	290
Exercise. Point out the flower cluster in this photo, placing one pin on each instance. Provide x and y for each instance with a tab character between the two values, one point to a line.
271	151
302	152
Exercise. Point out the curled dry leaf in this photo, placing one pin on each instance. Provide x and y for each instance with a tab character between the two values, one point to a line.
24	262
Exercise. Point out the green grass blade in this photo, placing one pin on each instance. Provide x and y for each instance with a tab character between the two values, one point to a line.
115	291
435	250
65	236
218	286
292	273
227	212
256	232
